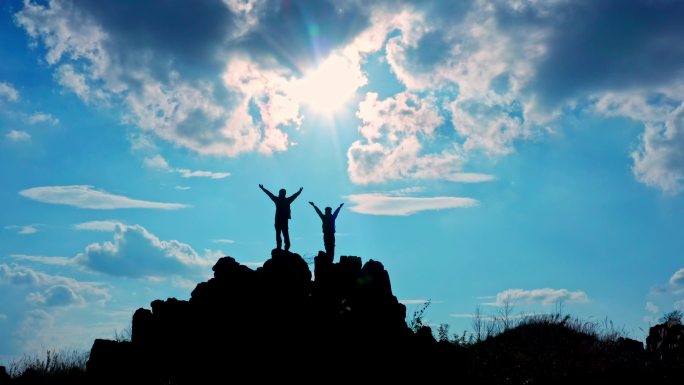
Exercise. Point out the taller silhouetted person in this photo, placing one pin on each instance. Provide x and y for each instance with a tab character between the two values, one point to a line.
282	214
328	220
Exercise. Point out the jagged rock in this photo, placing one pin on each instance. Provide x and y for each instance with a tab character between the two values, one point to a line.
110	359
242	320
4	377
142	326
666	341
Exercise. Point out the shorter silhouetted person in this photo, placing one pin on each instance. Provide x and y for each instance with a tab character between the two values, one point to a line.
282	214
328	220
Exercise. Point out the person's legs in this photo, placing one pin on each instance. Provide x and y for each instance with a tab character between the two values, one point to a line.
329	242
279	241
286	234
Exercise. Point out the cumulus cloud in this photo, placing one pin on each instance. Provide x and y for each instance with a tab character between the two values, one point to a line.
659	162
41	117
546	296
87	197
7	91
172	90
677	278
478	76
51	290
158	162
135	252
384	204
396	131
36	303
651	307
18	136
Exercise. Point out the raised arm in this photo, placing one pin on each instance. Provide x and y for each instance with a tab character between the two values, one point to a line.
270	195
337	211
295	195
318	211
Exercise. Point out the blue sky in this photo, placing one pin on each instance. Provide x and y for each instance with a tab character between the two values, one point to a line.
485	151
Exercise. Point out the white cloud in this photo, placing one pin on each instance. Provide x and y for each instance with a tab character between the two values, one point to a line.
383	204
18	136
8	92
141	142
37	304
185	173
226	241
546	296
398	133
45	260
156	161
51	290
659	162
107	226
23	230
75	81
651	307
58	295
253	264
41	117
414	301
679	305
677	278
472	315
182	188
83	196
135	252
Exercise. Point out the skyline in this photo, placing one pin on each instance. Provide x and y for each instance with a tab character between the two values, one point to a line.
484	151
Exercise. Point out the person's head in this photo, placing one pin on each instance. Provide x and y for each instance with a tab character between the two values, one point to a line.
281	193
328	210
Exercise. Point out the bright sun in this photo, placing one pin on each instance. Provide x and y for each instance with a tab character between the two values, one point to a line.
327	88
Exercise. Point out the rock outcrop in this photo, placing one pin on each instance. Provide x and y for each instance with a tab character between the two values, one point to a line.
666	341
272	322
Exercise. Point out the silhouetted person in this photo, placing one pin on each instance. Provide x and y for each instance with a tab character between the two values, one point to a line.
328	220
282	214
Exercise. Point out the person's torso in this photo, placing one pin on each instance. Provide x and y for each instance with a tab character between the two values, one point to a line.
282	213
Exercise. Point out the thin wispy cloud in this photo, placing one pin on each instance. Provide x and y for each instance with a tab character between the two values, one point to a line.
8	92
545	296
44	259
224	241
384	204
186	173
23	230
18	136
87	197
41	117
158	162
677	278
105	226
414	301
